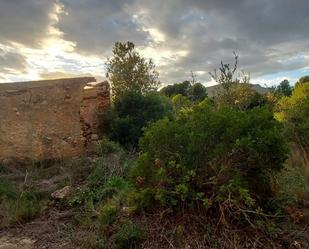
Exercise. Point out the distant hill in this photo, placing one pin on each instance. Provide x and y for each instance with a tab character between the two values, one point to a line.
212	90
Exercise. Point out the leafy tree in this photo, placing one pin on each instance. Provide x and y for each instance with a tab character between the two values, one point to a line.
194	92
302	80
240	96
197	92
130	113
284	88
234	90
293	111
178	88
181	102
208	156
127	70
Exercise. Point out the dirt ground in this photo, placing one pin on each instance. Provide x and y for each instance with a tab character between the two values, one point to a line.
51	231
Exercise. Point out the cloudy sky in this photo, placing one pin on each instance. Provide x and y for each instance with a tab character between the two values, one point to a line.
43	39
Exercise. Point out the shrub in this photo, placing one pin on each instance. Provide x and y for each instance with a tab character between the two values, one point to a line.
293	111
8	190
19	205
130	113
129	235
194	92
108	146
108	213
208	156
240	96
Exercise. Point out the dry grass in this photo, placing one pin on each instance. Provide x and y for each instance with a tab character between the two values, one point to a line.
193	231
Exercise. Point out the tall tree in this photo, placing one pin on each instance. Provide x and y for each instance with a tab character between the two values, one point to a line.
284	88
127	70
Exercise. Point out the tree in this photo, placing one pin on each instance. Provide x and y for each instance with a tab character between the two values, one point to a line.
194	91
197	92
293	111
284	88
234	89
226	76
177	88
132	112
302	80
127	70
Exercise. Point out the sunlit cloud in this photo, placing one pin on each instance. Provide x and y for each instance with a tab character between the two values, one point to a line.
64	38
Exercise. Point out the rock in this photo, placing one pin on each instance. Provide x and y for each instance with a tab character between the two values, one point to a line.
94	137
62	193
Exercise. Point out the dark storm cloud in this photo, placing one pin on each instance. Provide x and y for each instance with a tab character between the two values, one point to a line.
24	21
96	24
269	36
266	34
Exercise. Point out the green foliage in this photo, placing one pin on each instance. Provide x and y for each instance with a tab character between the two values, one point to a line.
239	96
108	213
108	146
194	92
284	88
292	187
128	71
128	236
179	102
99	192
302	80
197	92
268	227
19	205
207	155
178	88
293	111
131	113
8	190
235	90
226	75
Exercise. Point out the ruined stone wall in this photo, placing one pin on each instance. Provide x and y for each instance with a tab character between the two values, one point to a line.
45	119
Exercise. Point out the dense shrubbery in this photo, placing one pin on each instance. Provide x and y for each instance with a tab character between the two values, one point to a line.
240	96
293	111
208	156
131	112
194	92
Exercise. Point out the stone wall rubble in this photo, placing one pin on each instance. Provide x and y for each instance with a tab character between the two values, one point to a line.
50	118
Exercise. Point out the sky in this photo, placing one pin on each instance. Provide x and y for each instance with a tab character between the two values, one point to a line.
46	39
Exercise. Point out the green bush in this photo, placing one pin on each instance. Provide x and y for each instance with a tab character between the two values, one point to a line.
128	236
108	213
19	205
210	156
130	113
194	92
8	190
293	111
108	146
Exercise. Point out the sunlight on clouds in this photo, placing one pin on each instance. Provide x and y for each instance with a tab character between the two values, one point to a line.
156	35
55	58
162	56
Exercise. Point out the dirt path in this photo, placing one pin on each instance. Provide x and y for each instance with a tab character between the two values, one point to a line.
51	231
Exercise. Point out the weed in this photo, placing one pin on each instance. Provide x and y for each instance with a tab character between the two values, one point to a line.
19	205
129	235
108	214
107	147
